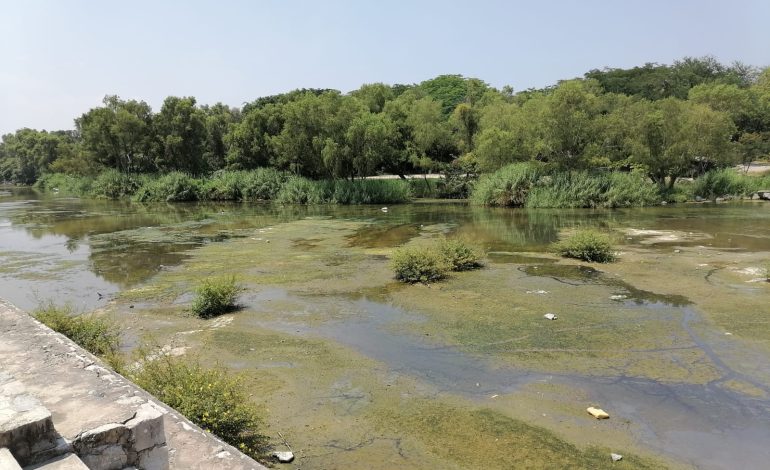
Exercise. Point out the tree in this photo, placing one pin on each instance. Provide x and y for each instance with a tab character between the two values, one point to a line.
118	135
27	153
673	138
374	96
181	136
217	119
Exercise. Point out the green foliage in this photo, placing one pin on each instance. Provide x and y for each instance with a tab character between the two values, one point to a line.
368	192
95	334
459	255
171	187
211	398
586	245
509	186
299	190
112	184
64	184
728	182
215	297
530	185
262	184
429	263
419	264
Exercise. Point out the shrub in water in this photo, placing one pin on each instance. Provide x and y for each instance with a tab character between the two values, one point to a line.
215	297
112	184
97	335
212	399
587	245
262	184
171	187
459	255
419	264
298	190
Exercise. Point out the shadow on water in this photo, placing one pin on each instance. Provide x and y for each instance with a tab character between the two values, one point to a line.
577	275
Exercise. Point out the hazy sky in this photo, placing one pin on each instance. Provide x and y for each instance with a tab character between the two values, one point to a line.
59	58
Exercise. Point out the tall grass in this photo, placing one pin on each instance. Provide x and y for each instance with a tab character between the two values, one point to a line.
112	184
64	184
727	182
97	335
298	190
171	187
532	185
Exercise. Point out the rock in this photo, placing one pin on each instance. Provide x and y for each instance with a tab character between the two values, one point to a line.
550	316
618	297
284	456
616	457
597	413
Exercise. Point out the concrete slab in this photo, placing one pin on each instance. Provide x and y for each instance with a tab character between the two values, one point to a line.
65	462
7	462
82	394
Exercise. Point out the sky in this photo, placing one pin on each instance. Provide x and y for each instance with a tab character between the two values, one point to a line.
59	58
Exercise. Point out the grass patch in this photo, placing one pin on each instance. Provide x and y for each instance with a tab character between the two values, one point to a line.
459	255
97	335
215	297
432	262
587	245
171	187
419	264
727	182
210	398
535	186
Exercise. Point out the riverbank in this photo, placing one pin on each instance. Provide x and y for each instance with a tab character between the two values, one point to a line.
518	185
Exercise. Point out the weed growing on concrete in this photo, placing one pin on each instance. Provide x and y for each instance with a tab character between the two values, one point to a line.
98	335
211	398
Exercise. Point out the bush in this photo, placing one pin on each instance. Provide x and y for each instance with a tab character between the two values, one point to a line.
459	256
96	335
215	297
210	398
727	182
64	184
262	184
299	190
171	187
419	264
587	245
112	184
508	186
375	191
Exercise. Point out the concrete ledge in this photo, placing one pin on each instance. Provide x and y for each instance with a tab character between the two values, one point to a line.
101	412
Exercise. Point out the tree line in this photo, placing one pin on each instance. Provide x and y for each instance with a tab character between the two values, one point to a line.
667	121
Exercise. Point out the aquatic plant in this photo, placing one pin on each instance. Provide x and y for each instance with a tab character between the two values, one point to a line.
171	187
728	182
507	187
64	184
97	335
215	297
211	398
375	191
112	184
419	264
586	245
535	186
460	255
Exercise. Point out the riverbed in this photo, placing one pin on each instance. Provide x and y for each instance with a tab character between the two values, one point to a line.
357	370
